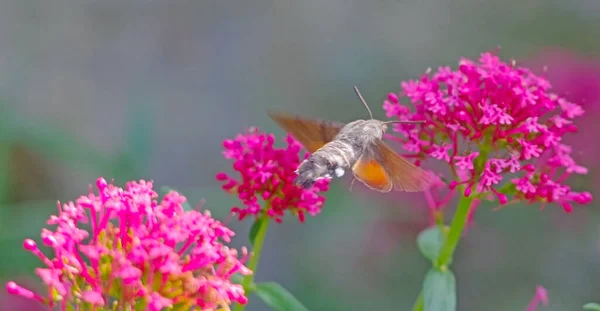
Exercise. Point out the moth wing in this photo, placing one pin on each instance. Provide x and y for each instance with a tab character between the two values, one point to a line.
405	176
369	170
312	134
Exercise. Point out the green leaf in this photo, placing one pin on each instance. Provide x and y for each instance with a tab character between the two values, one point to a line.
439	290
484	150
166	189
278	298
592	306
508	188
255	227
430	242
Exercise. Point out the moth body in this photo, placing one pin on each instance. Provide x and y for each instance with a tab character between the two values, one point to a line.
335	147
341	153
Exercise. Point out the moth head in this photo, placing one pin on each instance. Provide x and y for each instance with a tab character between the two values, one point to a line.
384	126
373	128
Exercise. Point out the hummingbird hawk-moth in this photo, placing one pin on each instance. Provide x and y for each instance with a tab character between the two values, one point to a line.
335	147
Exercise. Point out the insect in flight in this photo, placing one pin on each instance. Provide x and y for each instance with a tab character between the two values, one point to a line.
335	147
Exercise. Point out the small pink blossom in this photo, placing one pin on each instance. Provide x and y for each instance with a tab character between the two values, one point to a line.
138	251
524	184
93	297
18	298
466	163
508	115
529	150
540	297
267	173
441	152
488	178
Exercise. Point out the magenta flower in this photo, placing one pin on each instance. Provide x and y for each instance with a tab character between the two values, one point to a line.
19	303
137	253
540	297
508	122
267	173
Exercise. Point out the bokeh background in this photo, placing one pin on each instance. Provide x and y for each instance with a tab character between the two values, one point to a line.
149	89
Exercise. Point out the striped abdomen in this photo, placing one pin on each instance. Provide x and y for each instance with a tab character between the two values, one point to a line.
329	161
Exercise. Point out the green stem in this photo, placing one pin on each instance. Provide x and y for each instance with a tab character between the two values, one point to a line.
247	282
439	218
456	229
419	303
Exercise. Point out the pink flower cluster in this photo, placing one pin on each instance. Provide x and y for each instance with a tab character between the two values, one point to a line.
267	173
137	253
505	118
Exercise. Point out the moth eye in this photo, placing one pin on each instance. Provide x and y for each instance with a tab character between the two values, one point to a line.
339	172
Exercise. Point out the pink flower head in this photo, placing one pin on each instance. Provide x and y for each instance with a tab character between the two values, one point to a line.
507	120
137	252
267	173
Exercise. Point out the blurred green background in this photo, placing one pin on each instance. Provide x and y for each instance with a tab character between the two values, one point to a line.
149	89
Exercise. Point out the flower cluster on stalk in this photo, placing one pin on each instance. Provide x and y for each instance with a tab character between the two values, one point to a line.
121	248
498	127
266	173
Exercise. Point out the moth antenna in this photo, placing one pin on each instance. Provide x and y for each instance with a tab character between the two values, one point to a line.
363	101
351	184
405	122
